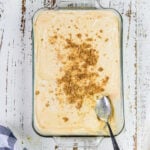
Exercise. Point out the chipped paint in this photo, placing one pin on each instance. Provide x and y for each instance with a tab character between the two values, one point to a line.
29	139
56	147
23	20
49	3
1	10
6	87
136	82
75	148
129	15
135	141
1	40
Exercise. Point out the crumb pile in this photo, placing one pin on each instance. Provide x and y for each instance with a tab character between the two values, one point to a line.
80	72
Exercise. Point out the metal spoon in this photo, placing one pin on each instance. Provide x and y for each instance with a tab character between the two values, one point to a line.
103	110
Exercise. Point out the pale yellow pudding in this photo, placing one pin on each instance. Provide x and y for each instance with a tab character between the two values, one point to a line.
77	60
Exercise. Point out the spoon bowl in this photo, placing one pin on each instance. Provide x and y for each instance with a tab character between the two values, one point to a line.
103	108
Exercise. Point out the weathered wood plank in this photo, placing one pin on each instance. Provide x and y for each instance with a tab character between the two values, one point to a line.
143	130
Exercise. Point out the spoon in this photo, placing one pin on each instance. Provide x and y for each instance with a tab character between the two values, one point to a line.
103	110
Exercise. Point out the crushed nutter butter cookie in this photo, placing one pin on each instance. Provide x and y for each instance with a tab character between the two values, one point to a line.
65	119
79	80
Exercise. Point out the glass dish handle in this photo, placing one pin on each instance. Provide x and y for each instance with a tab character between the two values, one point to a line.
78	4
77	143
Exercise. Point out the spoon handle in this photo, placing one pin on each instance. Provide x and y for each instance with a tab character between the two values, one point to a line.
114	142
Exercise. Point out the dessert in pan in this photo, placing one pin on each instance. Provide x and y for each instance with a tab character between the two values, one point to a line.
76	62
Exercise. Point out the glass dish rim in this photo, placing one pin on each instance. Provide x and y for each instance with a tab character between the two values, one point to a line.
121	69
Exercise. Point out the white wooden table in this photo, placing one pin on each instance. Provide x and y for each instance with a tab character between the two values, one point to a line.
16	73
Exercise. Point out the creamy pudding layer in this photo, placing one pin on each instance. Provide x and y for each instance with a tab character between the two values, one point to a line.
77	60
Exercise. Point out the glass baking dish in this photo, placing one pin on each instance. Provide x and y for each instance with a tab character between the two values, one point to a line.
80	8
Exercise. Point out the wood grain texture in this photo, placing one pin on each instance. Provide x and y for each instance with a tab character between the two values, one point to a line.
16	73
143	130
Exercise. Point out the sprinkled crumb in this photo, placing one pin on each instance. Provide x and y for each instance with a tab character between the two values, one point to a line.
106	40
37	92
52	39
99	36
50	91
101	31
89	39
76	27
65	119
100	69
79	79
79	105
79	35
86	35
47	104
105	80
